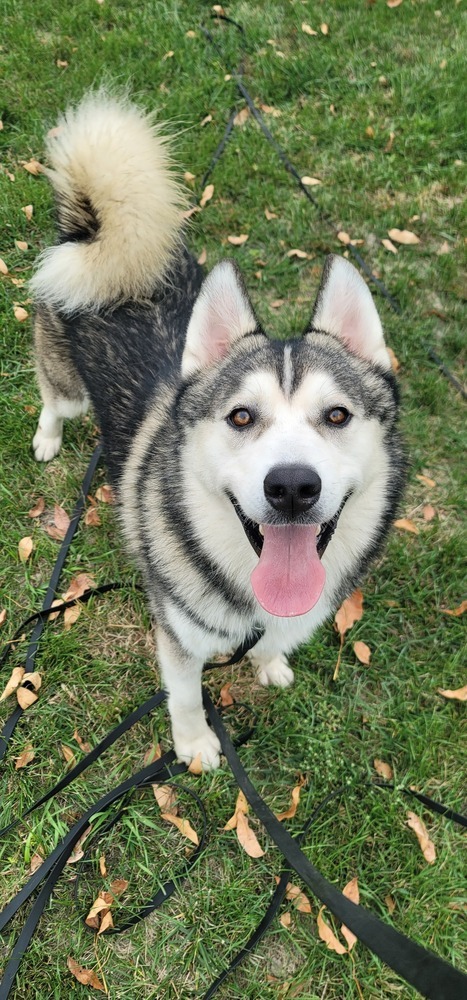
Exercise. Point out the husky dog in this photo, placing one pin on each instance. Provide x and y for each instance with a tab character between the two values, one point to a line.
255	478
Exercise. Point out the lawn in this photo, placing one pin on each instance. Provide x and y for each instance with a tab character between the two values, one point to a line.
372	107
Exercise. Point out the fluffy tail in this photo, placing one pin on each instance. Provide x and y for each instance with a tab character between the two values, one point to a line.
119	207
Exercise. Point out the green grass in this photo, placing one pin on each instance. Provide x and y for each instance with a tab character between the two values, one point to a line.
103	666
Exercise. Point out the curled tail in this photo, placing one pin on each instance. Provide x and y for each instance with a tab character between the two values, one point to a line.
119	206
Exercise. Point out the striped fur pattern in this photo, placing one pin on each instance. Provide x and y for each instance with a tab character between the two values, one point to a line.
211	428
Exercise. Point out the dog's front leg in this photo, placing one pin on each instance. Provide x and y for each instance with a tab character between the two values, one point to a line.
181	674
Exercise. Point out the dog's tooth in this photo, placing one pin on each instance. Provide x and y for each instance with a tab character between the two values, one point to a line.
261	529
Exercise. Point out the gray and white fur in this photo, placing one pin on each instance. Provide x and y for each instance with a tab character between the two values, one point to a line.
234	457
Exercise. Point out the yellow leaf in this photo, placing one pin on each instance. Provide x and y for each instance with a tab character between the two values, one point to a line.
362	652
328	936
427	846
106	922
403	236
383	769
165	796
247	838
405	524
183	825
460	694
393	3
188	177
196	765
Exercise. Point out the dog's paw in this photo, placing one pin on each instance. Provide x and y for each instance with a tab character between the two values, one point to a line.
45	448
276	671
206	744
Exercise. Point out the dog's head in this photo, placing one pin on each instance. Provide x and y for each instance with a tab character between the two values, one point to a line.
289	432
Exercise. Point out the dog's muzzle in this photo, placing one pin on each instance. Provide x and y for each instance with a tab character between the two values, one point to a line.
255	538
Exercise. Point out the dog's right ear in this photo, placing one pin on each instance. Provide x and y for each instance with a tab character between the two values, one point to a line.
221	315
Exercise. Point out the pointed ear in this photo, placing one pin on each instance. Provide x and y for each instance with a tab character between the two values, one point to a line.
345	307
221	315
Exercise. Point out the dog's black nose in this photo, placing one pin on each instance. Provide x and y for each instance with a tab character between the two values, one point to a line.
292	489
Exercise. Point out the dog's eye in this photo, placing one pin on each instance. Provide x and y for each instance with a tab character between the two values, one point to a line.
338	416
241	417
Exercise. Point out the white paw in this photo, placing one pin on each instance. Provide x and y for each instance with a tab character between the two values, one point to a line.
277	672
45	448
205	744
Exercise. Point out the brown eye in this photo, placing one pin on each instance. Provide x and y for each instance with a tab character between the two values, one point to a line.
338	416
240	417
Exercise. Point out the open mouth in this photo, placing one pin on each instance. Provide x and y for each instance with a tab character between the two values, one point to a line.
289	578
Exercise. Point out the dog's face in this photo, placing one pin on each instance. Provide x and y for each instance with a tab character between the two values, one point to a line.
287	432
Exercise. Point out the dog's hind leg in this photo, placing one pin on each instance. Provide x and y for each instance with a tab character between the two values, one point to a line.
63	393
272	670
181	675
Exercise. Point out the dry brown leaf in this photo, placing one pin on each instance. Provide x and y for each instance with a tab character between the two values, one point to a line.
241	805
13	683
242	116
302	254
460	694
153	753
390	903
91	518
395	363
350	892
25	547
226	699
166	797
3	267
324	29
350	611
205	120
85	976
307	29
247	838
297	896
310	181
105	494
28	210
38	508
77	852
370	132
191	211
20	313
71	615
405	524
404	236
118	886
188	177
102	866
393	3
270	215
383	769
55	603
61	63
78	586
99	907
106	922
196	765
285	919
203	256
389	144
429	512
206	195
294	802
32	166
328	936
237	241
83	744
25	697
389	245
68	755
343	237
455	611
35	863
362	652
427	846
183	825
426	480
24	758
2	616
269	110
277	303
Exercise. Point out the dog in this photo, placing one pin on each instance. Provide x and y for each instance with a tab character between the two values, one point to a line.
255	479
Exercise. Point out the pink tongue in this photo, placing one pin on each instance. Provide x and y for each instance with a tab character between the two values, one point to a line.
290	576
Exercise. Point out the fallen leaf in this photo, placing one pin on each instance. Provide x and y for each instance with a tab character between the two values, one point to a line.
188	177
297	896
28	210
61	63
38	508
203	256
119	886
105	494
3	267
102	866
294	802
395	363
460	694
206	195
68	755
237	241
389	144
277	303
351	892
328	936
242	116
350	611
444	248
307	29
324	29
456	611
403	236
426	480
166	797
285	919
153	753
310	181
429	512
55	603
241	805
390	903
168	55
405	524
71	615
24	758
269	110
384	770
13	683
247	838
61	519
32	166
206	119
2	616
35	863
106	923
85	976
196	765
78	586
20	313
191	211
343	237
99	907
270	215
302	254
25	696
362	652
91	518
25	547
370	132
226	699
389	245
427	846
83	744
183	825
77	852
393	3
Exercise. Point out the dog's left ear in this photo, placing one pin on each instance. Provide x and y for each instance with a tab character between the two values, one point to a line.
345	307
221	315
